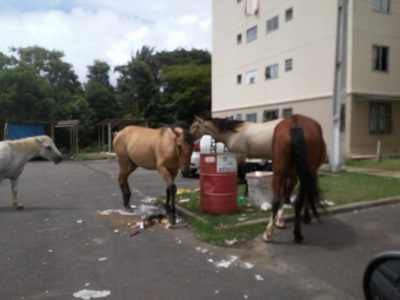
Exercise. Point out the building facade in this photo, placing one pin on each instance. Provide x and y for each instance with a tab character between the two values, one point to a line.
274	58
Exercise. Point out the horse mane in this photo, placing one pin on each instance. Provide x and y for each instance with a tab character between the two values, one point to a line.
186	130
225	124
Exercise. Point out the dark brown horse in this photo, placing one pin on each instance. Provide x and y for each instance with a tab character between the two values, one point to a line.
298	150
165	149
296	147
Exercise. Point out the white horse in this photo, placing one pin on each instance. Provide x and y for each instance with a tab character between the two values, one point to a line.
15	154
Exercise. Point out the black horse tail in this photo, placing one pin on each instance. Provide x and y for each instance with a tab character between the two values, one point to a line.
309	190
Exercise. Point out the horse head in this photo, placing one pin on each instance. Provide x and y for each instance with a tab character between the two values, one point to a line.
222	129
184	142
48	149
197	129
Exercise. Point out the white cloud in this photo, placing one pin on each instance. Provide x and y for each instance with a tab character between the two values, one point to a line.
111	31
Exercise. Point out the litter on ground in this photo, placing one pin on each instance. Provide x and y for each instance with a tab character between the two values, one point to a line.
231	242
259	277
88	294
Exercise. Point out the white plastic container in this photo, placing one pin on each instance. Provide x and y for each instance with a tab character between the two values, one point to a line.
260	188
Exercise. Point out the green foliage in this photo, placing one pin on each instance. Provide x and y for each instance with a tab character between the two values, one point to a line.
24	95
188	87
164	87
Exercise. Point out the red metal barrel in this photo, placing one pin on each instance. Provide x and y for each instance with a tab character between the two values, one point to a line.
218	183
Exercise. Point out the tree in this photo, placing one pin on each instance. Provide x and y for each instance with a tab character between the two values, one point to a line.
137	84
189	88
99	93
60	75
25	95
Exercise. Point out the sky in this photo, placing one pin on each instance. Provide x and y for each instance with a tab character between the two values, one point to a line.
106	30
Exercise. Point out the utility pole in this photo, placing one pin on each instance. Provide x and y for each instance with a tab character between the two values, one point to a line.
337	161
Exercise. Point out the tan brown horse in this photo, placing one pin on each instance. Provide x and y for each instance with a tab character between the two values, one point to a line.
281	141
165	149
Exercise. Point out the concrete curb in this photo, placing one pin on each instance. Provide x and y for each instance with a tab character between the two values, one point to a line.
290	218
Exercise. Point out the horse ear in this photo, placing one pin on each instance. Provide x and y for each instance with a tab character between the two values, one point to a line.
198	119
179	134
39	140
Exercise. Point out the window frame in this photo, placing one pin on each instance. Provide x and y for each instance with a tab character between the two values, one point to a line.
269	74
251	117
382	6
380	118
239	39
274	112
239	79
288	64
251	79
253	37
287	112
289	14
272	24
378	59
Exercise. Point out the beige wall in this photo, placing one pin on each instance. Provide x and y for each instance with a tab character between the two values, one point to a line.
369	28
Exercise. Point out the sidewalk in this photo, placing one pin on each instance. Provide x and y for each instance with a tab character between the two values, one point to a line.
378	172
395	174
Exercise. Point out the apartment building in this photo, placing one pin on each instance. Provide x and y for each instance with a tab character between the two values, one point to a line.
274	58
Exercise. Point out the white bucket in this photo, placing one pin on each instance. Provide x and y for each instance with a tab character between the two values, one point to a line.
260	189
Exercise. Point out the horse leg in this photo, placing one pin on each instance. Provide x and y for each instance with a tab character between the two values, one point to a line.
124	172
276	203
307	216
289	183
298	238
170	203
280	219
171	192
14	189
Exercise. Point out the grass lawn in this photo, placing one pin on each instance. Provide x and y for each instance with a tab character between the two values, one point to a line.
392	164
341	188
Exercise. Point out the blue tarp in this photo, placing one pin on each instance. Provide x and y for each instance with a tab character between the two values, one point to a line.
19	131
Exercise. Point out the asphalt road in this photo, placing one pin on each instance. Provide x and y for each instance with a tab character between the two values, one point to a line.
67	242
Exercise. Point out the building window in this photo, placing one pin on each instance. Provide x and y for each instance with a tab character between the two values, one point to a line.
239	79
287	112
288	64
270	115
251	34
380	118
239	38
238	117
238	1
273	24
251	117
380	58
289	14
382	6
271	71
251	77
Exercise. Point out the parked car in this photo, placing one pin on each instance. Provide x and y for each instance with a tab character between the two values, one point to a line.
195	158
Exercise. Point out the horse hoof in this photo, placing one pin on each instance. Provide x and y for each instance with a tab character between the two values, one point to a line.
19	207
298	239
171	218
129	209
280	224
267	238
